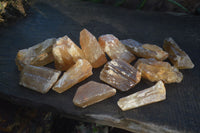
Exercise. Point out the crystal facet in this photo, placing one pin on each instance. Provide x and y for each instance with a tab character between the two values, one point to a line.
150	95
91	49
40	79
154	70
92	92
115	49
120	75
176	55
75	74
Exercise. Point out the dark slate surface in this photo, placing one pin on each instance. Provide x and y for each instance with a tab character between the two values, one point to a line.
179	112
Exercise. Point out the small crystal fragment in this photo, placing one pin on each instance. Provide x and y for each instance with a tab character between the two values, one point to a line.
92	92
120	75
150	95
154	70
75	74
91	49
176	55
39	79
37	55
145	50
115	49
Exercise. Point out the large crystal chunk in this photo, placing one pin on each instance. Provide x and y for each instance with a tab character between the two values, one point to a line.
120	75
75	74
91	49
115	49
40	79
150	95
37	55
145	50
176	55
154	70
92	92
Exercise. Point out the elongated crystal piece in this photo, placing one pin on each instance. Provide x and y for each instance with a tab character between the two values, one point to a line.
39	79
75	74
115	49
120	75
91	93
176	55
150	95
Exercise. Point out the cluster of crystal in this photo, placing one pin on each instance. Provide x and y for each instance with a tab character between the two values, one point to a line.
120	75
39	79
75	74
154	70
92	92
92	49
115	49
37	55
176	55
150	95
145	50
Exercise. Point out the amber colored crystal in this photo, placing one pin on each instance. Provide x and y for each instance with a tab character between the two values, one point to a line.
39	79
154	70
75	74
150	95
115	49
176	55
145	50
120	75
91	49
92	92
37	55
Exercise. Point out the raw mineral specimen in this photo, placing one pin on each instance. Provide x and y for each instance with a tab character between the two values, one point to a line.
40	79
176	55
154	70
75	74
145	50
92	92
150	95
37	55
120	75
115	49
91	49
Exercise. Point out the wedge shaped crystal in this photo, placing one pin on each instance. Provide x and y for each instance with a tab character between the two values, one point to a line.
92	92
154	70
39	79
120	75
91	49
75	74
176	55
145	50
150	95
115	49
37	55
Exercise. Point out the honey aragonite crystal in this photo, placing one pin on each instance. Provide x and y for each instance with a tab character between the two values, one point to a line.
150	95
176	55
115	49
91	93
91	49
75	74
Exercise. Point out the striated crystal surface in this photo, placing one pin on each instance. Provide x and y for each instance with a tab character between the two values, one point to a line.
145	50
39	79
91	49
115	49
150	95
176	55
75	74
92	92
120	75
154	70
37	55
